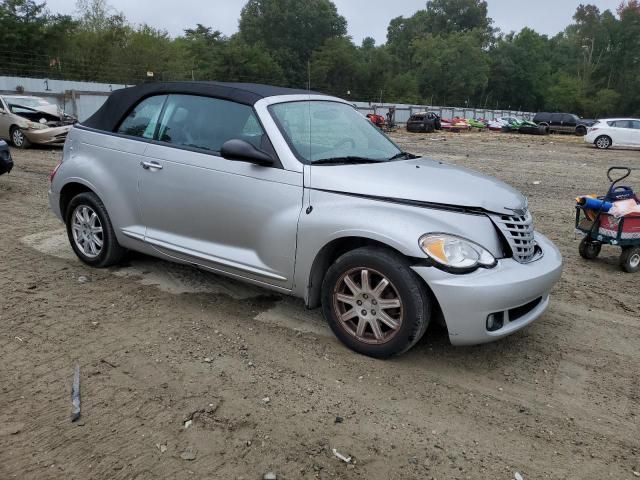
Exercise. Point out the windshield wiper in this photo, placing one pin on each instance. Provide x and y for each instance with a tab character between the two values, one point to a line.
405	155
345	161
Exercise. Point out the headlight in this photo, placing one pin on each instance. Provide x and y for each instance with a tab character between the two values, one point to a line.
37	125
456	253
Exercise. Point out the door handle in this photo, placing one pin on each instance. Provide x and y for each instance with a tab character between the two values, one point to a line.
151	165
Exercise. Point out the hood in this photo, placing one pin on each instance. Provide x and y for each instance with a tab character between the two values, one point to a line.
49	109
420	181
587	121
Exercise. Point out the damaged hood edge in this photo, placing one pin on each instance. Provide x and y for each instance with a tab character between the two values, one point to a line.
421	182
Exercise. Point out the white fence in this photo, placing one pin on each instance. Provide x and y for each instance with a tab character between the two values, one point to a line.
82	99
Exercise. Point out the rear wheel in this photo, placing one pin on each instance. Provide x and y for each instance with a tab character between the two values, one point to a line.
589	250
630	259
374	303
19	139
603	142
91	233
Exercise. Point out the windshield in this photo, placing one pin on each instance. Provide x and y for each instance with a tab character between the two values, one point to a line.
318	131
32	102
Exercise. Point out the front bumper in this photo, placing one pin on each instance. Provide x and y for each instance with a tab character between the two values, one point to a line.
468	300
48	136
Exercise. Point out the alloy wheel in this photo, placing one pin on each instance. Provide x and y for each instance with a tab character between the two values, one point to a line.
603	142
634	261
87	231
17	137
368	306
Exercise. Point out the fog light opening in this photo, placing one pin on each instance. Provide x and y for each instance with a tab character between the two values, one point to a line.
495	321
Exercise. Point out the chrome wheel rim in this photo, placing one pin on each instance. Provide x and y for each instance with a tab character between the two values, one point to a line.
87	231
368	306
602	143
18	138
634	261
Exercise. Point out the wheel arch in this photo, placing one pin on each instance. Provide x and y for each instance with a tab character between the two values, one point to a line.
331	251
69	191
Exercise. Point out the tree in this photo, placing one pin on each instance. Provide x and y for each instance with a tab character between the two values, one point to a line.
441	18
454	72
520	70
23	25
459	16
290	30
336	67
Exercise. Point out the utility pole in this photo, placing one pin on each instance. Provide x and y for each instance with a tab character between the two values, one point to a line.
309	74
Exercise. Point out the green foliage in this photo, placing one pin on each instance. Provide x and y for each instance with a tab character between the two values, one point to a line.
449	52
520	70
291	31
453	70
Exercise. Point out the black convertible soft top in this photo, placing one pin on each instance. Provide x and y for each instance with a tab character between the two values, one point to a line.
122	101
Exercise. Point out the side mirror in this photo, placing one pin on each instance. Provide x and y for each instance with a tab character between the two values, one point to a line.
243	151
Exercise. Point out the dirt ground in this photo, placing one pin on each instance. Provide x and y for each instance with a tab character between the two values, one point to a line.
268	389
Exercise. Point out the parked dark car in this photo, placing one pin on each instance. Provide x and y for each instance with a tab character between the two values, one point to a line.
563	122
424	122
6	163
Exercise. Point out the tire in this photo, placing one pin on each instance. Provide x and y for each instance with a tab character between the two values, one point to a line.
603	142
581	131
630	259
365	330
82	230
18	138
589	250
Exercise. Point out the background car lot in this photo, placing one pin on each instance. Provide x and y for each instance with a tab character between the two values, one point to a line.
558	400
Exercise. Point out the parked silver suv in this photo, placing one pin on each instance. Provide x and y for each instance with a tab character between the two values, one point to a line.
299	193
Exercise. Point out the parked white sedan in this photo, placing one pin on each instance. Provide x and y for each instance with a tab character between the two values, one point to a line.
618	132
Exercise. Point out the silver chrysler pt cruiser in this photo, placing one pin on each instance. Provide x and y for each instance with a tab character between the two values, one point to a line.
299	193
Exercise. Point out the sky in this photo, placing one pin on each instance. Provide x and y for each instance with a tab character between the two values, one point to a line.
365	17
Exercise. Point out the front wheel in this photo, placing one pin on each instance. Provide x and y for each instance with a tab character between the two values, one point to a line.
602	142
91	233
589	250
374	303
630	259
19	139
582	131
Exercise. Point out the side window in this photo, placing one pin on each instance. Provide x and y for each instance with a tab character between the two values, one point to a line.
570	119
635	124
143	120
207	123
556	118
623	124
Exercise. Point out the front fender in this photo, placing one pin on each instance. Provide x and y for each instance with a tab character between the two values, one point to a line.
398	226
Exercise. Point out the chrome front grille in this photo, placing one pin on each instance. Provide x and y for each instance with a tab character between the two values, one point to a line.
518	231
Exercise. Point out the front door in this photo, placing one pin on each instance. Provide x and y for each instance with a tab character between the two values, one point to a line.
234	217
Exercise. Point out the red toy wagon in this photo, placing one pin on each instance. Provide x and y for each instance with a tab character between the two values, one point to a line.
601	228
